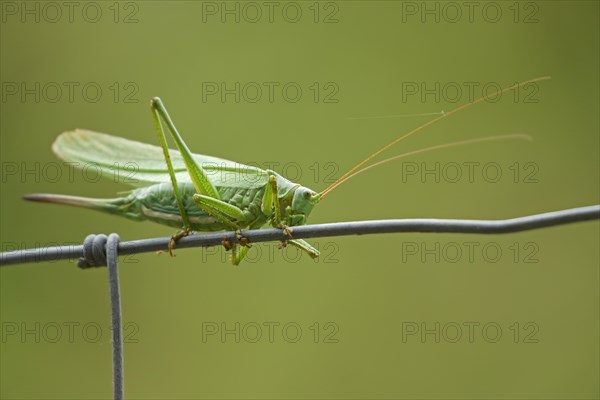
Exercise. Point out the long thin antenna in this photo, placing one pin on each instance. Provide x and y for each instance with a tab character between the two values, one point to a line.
438	118
437	147
401	115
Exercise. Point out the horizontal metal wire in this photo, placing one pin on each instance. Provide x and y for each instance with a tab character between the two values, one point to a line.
322	230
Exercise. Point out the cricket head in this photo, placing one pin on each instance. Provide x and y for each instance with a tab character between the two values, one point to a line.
302	204
295	201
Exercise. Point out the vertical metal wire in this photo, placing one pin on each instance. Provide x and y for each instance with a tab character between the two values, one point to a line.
115	312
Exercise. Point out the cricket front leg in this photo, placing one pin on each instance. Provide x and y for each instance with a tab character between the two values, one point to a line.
270	206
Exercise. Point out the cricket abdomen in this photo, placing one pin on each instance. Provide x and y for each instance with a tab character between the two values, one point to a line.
157	203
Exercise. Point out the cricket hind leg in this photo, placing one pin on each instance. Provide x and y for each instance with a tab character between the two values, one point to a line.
198	176
186	229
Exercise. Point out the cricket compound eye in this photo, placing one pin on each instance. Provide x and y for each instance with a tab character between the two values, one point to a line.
307	195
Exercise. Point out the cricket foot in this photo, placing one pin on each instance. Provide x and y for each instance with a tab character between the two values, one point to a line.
173	241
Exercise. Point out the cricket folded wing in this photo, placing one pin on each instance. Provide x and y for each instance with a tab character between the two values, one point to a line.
141	164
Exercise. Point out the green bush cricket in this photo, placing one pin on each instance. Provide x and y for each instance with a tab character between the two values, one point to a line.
201	193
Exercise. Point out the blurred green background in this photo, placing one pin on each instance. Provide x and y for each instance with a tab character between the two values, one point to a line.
362	321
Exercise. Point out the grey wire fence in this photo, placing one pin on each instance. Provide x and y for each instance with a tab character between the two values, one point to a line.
100	250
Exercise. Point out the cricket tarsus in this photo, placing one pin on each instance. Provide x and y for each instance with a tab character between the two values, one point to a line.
173	241
242	240
226	243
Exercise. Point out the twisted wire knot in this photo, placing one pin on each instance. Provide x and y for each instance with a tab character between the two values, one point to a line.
94	250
